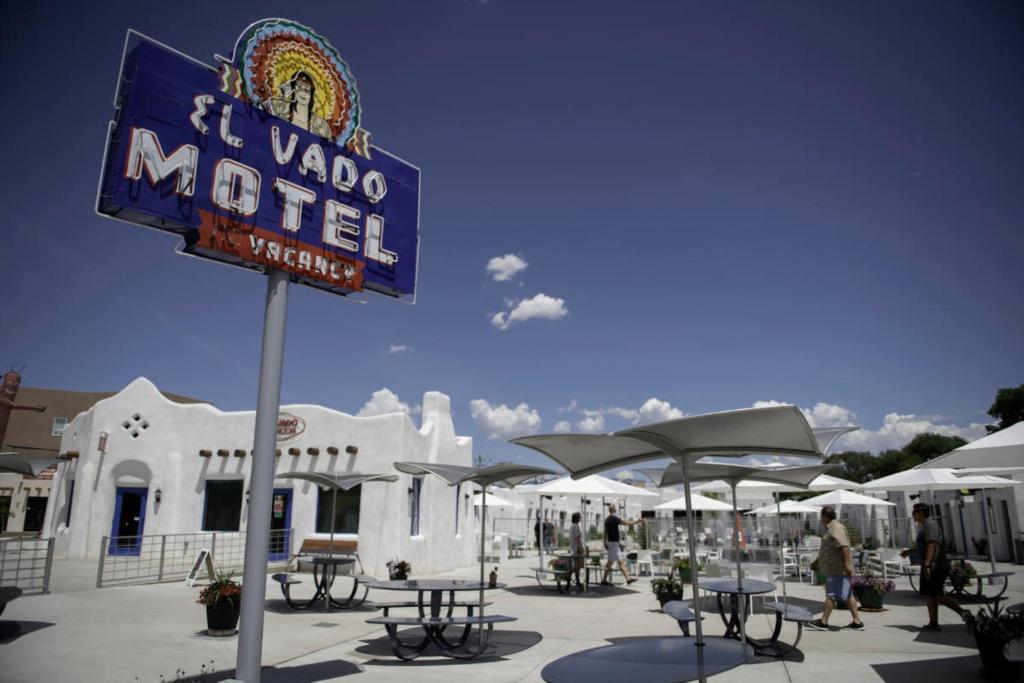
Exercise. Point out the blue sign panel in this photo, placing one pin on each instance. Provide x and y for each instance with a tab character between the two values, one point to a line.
262	163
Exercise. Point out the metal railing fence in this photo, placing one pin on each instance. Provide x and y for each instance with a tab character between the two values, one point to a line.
169	557
26	563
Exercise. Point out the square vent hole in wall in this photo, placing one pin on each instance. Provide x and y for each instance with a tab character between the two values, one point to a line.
135	425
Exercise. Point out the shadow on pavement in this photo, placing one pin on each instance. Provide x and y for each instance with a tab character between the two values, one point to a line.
281	607
304	673
954	635
595	591
12	630
960	669
503	644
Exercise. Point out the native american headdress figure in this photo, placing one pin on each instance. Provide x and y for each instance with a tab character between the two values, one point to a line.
295	74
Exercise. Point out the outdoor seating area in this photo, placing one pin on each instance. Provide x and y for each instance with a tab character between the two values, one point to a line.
544	632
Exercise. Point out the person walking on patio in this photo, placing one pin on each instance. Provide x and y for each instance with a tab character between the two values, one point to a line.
934	566
836	563
577	549
612	538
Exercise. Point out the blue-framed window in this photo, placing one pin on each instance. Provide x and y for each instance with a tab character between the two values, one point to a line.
223	505
458	502
414	506
346	512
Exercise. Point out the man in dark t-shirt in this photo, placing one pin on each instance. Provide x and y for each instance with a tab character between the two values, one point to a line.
612	537
934	566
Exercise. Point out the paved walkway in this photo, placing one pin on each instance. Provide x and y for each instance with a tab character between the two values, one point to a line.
143	633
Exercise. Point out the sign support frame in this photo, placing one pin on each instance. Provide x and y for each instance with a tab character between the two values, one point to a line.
261	480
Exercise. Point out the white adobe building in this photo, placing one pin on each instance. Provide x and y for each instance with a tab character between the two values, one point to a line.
136	463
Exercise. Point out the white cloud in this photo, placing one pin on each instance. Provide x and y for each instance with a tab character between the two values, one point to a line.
562	427
656	410
540	306
896	430
399	348
624	413
384	401
504	268
622	475
502	422
592	422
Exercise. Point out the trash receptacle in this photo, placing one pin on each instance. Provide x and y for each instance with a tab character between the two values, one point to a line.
1018	550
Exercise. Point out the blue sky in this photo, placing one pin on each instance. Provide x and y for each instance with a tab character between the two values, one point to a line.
721	204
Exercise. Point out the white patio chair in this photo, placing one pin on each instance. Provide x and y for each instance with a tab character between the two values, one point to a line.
790	561
761	572
644	563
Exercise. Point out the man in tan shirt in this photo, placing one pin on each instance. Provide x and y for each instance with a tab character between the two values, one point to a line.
836	563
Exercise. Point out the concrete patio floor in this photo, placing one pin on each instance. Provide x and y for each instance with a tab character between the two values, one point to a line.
155	633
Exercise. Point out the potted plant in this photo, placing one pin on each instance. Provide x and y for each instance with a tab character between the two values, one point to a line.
398	570
961	573
666	590
870	590
682	567
223	601
560	565
993	628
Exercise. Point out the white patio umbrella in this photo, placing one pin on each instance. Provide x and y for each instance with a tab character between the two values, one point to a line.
495	501
1004	448
592	485
697	503
786	507
841	497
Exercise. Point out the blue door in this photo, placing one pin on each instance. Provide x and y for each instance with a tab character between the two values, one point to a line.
280	525
129	521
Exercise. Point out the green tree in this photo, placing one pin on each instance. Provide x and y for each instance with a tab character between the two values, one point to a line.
893	461
929	445
856	466
1008	408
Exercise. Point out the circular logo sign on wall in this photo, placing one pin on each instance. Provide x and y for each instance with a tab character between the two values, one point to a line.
289	426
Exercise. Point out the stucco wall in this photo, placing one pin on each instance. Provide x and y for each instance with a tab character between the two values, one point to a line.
164	454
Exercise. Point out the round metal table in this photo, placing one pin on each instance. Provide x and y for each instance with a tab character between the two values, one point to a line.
430	617
737	590
663	659
325	570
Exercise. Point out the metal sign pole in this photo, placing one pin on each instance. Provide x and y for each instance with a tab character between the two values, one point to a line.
261	480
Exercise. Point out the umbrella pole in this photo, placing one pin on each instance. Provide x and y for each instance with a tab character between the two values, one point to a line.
739	564
782	545
483	536
334	505
540	531
692	543
988	529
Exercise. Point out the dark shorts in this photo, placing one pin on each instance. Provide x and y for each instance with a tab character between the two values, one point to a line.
934	586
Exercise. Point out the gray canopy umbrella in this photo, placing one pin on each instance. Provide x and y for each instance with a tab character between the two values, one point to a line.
331	481
776	430
453	475
12	462
19	464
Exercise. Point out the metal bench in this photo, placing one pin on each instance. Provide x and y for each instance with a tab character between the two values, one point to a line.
286	582
784	612
387	606
434	628
681	612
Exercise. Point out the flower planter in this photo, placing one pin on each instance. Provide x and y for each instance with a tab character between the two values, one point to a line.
993	661
222	616
868	597
668	597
